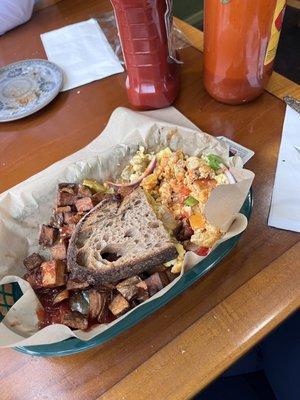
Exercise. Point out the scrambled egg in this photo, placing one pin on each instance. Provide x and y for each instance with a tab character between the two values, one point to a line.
179	187
176	264
206	237
136	166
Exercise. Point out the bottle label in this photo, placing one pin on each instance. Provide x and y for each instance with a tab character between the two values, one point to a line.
275	31
169	31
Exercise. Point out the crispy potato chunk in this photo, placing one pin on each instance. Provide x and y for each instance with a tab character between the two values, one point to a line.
53	273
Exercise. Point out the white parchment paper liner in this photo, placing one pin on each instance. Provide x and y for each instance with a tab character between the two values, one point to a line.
26	206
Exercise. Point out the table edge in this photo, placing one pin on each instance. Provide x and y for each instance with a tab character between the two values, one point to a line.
278	275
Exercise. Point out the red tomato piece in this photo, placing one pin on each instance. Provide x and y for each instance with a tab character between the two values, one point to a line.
202	251
185	191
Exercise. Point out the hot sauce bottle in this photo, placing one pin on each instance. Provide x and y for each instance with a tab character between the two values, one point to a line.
240	43
145	30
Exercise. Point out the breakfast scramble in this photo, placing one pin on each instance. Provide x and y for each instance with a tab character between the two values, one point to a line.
178	188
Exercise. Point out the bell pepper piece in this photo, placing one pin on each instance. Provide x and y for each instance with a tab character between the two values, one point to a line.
197	221
190	201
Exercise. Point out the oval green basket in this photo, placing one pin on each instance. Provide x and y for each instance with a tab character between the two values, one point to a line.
74	345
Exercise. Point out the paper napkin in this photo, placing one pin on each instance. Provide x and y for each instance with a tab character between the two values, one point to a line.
83	53
285	205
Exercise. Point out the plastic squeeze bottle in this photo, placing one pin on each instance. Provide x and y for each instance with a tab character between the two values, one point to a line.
240	43
145	30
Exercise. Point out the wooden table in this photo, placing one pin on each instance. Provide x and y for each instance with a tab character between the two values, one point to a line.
189	342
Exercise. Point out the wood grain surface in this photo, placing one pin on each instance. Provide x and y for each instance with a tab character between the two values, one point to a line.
294	3
225	323
41	4
250	292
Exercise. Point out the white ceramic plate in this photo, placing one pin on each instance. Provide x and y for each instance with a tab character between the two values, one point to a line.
27	86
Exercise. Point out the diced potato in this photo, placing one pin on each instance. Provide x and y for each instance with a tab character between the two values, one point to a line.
59	251
97	302
66	231
84	204
65	198
53	273
69	217
64	209
119	305
84	191
33	261
34	277
154	283
68	187
128	288
75	320
48	235
143	293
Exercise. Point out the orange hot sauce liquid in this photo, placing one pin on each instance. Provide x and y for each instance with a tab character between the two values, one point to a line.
240	42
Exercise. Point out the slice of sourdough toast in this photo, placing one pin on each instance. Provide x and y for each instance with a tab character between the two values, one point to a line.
118	239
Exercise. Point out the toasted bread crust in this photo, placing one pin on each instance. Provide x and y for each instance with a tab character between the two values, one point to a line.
112	272
126	271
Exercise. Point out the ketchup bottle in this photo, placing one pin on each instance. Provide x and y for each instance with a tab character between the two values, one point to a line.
152	69
240	43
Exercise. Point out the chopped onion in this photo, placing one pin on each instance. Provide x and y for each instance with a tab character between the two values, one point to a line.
61	296
231	179
147	172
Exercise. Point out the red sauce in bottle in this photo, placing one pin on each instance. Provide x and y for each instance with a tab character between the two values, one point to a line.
240	43
145	32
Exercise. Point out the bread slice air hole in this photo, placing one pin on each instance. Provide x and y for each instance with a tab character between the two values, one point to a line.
109	256
110	253
153	225
129	234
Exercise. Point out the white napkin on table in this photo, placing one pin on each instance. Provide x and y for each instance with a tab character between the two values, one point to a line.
285	205
83	53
